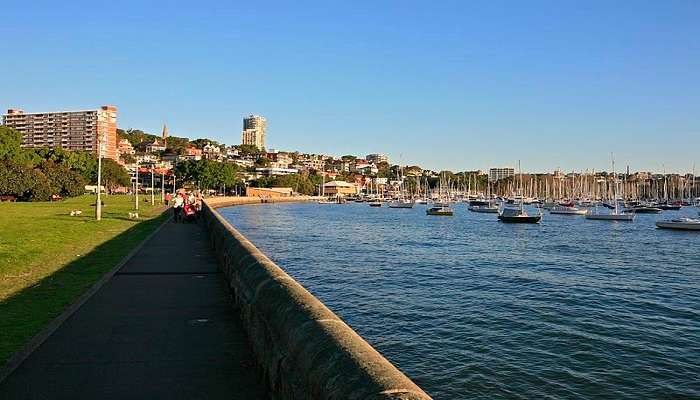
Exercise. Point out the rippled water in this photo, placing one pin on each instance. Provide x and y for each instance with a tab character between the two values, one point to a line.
472	308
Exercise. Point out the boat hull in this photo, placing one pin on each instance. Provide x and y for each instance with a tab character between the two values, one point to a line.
568	212
520	219
479	209
681	226
611	217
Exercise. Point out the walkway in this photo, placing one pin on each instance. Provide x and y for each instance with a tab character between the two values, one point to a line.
161	328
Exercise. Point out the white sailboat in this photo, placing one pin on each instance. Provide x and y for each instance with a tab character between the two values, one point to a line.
616	214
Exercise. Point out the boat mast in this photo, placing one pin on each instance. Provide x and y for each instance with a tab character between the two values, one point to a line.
617	204
522	207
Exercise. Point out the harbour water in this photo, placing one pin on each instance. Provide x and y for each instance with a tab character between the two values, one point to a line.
472	308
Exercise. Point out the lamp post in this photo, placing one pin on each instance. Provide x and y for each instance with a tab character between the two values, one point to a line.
153	194
162	187
98	203
136	186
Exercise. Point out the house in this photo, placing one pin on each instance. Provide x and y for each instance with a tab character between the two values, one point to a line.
192	153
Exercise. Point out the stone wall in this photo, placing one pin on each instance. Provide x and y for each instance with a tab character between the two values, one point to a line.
304	349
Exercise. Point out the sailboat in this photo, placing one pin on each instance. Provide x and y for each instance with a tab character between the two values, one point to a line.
484	206
402	201
615	215
376	202
518	214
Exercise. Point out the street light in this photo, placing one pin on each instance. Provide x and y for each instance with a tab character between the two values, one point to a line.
152	189
98	203
136	187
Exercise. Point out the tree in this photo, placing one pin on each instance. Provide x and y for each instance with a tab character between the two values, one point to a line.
207	174
200	143
62	180
10	141
246	150
127	158
262	162
113	175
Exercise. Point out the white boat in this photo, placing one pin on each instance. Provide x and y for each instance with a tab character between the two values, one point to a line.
686	224
616	214
485	208
610	217
401	204
567	210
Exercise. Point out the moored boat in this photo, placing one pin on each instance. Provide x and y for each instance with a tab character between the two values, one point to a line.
440	211
518	215
567	210
484	208
686	224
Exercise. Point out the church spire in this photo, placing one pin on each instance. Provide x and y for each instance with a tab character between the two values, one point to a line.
165	135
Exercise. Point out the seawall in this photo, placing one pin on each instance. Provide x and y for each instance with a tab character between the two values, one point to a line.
304	350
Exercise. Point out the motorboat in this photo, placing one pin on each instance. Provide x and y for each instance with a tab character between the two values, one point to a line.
518	215
440	211
686	224
375	203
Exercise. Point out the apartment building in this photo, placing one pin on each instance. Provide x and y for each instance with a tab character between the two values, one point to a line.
254	127
69	130
500	173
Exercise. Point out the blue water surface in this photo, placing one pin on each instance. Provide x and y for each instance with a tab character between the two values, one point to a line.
469	307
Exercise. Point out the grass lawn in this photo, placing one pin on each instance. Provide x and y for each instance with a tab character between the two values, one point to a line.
48	258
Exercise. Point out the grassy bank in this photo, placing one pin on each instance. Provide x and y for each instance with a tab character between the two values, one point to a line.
48	258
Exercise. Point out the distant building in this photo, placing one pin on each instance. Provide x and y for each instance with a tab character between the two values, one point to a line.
254	127
211	152
154	146
377	158
276	171
192	153
500	173
125	147
340	188
69	130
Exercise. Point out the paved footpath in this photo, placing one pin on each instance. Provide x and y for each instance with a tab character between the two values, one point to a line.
161	328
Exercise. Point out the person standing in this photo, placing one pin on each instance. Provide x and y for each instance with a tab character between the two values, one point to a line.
178	203
168	196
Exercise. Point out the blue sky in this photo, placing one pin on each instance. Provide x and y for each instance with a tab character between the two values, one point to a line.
447	85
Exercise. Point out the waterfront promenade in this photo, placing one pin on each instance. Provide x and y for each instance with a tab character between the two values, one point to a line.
161	327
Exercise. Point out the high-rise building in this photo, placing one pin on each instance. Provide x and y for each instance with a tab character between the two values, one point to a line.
500	173
254	127
377	158
69	130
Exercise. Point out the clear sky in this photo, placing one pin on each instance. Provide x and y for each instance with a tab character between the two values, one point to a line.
445	84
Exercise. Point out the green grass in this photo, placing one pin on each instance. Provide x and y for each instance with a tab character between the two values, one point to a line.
48	258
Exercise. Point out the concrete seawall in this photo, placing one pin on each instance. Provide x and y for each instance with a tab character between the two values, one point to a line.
303	348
